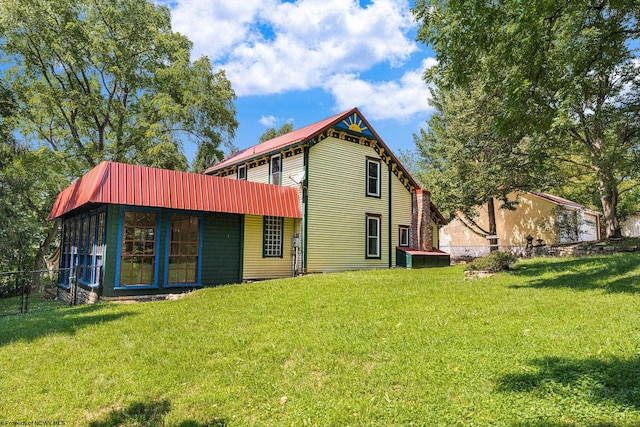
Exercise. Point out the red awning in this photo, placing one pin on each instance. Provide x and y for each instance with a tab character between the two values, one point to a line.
118	183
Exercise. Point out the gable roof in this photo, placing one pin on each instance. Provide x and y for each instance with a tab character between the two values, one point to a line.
560	201
342	120
282	141
125	184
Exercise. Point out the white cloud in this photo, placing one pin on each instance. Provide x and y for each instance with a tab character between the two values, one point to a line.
214	26
400	99
268	46
267	121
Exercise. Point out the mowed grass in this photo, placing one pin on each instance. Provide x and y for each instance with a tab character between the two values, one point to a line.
554	343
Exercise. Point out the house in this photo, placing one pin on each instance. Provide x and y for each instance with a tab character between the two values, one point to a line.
542	216
360	207
328	197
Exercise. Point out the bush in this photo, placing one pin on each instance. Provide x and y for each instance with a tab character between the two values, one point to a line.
494	262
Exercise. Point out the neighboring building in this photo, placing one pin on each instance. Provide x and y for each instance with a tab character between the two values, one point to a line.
341	201
542	216
630	227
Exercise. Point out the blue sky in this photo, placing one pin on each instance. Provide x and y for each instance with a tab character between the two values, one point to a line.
302	61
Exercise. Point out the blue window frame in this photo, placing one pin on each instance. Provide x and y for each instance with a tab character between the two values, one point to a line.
183	257
82	248
138	247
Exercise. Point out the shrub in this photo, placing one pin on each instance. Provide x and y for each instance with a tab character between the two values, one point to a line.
494	262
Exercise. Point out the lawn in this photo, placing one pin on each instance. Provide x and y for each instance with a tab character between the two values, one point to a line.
554	343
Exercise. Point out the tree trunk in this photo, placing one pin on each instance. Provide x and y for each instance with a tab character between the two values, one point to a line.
609	200
39	263
493	243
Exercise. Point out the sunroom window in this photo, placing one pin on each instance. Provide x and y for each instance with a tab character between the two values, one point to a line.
138	255
82	248
184	248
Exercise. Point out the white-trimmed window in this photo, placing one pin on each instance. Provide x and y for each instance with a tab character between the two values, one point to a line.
373	236
242	172
373	177
275	169
403	235
273	230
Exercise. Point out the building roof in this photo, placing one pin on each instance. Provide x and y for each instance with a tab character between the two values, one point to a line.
282	141
560	201
125	184
351	120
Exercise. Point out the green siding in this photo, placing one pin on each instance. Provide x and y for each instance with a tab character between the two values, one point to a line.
405	259
222	249
111	251
221	252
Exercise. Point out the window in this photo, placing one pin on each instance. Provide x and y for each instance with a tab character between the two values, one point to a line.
242	172
373	177
275	169
403	238
82	248
273	228
373	236
138	254
184	248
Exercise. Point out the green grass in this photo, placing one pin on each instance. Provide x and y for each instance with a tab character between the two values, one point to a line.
553	343
37	302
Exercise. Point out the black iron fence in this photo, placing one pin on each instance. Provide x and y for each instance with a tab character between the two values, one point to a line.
30	291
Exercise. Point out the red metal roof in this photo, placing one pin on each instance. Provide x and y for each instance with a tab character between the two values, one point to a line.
119	183
281	141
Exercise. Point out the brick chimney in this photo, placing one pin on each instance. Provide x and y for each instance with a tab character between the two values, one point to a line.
421	227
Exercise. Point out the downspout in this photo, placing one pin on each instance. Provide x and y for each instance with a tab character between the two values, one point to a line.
305	208
390	227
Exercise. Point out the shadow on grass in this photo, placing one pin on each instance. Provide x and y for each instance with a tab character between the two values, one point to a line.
62	321
614	382
563	424
148	414
612	274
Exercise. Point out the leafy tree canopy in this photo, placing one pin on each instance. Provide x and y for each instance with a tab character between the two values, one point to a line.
568	72
109	79
273	133
467	164
84	81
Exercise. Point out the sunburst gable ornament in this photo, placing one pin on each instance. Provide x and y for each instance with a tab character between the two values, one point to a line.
355	123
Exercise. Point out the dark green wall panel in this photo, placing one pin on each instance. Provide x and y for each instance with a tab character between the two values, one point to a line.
222	249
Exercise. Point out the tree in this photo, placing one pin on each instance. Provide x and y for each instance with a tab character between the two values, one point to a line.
571	78
466	164
273	133
102	80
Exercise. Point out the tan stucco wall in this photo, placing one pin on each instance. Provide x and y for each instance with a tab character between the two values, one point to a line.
531	217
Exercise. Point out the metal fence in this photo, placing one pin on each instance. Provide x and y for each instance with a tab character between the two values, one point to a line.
24	292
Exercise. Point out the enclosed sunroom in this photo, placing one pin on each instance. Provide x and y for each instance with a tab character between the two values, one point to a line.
137	231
